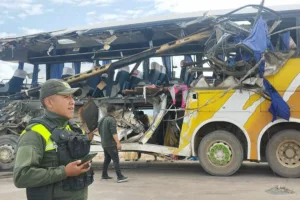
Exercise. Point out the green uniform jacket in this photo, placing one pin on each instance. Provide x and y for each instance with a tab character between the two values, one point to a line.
32	163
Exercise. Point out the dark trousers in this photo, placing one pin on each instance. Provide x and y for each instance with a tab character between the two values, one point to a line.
111	153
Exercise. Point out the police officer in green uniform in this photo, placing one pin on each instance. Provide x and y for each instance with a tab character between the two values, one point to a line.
49	149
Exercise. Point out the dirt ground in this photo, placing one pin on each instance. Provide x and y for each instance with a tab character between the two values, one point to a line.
163	180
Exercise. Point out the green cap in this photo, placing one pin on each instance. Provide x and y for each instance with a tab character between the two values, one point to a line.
59	87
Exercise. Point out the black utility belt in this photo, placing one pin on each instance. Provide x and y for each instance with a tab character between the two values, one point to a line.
77	182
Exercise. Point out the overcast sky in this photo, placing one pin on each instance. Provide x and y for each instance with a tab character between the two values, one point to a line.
23	17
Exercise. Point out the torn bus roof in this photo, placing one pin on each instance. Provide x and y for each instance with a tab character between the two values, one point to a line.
117	39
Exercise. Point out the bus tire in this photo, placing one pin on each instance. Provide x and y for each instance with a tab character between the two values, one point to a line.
220	153
8	148
283	153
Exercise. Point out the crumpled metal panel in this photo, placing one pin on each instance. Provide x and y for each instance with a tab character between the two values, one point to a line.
89	115
157	119
275	61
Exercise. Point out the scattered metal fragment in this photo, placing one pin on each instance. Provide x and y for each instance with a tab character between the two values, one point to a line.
279	190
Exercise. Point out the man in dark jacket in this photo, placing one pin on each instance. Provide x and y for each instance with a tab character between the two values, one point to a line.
37	166
110	143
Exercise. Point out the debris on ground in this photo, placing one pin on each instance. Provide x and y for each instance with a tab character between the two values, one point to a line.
279	190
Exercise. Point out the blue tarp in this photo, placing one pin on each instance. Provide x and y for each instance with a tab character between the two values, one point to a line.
285	41
259	41
278	108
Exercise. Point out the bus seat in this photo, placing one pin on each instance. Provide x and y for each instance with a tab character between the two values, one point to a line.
14	85
154	72
135	78
67	72
162	76
122	76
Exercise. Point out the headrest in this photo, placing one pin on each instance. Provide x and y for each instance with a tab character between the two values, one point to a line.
20	73
68	71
